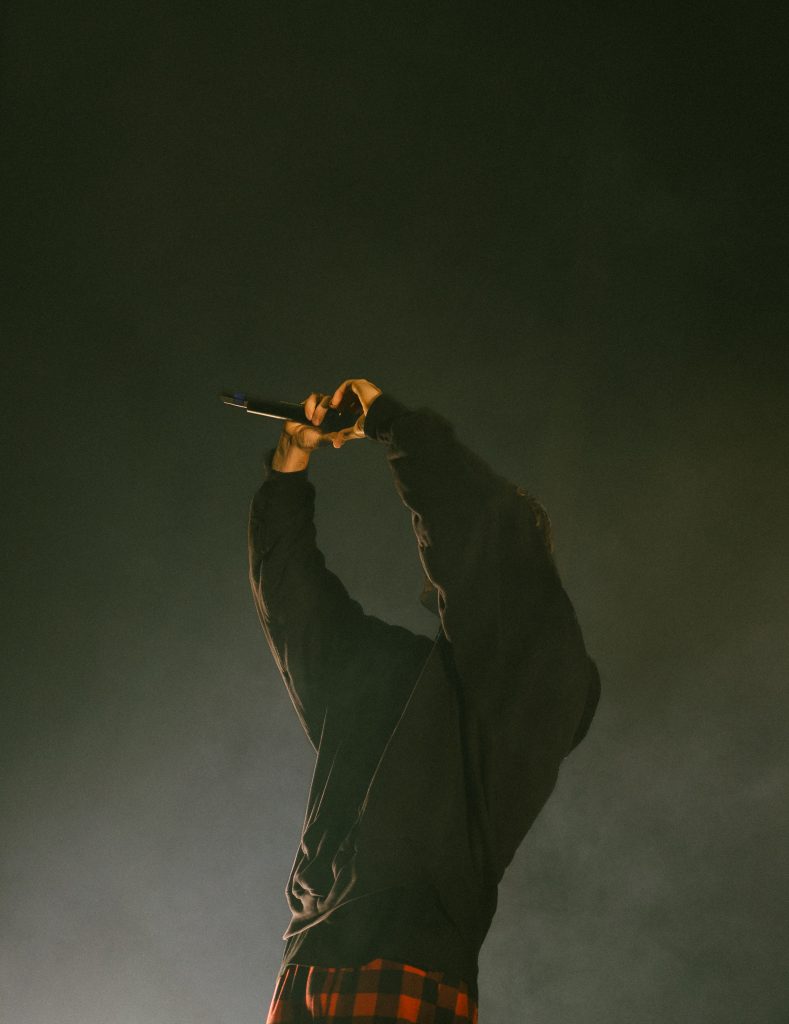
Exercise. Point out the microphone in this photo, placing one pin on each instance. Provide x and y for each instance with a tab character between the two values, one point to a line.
345	415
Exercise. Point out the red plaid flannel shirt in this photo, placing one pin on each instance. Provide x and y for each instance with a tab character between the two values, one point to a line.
379	992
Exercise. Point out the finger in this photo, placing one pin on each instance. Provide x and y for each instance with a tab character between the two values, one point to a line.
336	438
339	439
338	394
308	438
321	409
349	433
310	403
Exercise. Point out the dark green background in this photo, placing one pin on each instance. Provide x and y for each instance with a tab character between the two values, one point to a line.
559	225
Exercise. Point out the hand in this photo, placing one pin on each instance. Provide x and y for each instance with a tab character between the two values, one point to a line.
307	437
367	393
299	440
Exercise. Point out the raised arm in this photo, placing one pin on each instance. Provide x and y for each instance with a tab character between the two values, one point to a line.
482	543
323	643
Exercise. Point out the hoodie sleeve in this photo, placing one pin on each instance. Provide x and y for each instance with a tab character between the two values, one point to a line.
325	647
512	629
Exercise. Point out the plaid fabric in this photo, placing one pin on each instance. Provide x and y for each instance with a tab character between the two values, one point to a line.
380	992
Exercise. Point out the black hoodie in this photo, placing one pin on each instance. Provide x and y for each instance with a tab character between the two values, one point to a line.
434	756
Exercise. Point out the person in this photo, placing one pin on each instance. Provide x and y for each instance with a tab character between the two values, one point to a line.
433	755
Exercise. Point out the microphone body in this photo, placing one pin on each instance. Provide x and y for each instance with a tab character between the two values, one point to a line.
345	415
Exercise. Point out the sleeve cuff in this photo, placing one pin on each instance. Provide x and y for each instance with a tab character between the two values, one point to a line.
382	413
280	496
